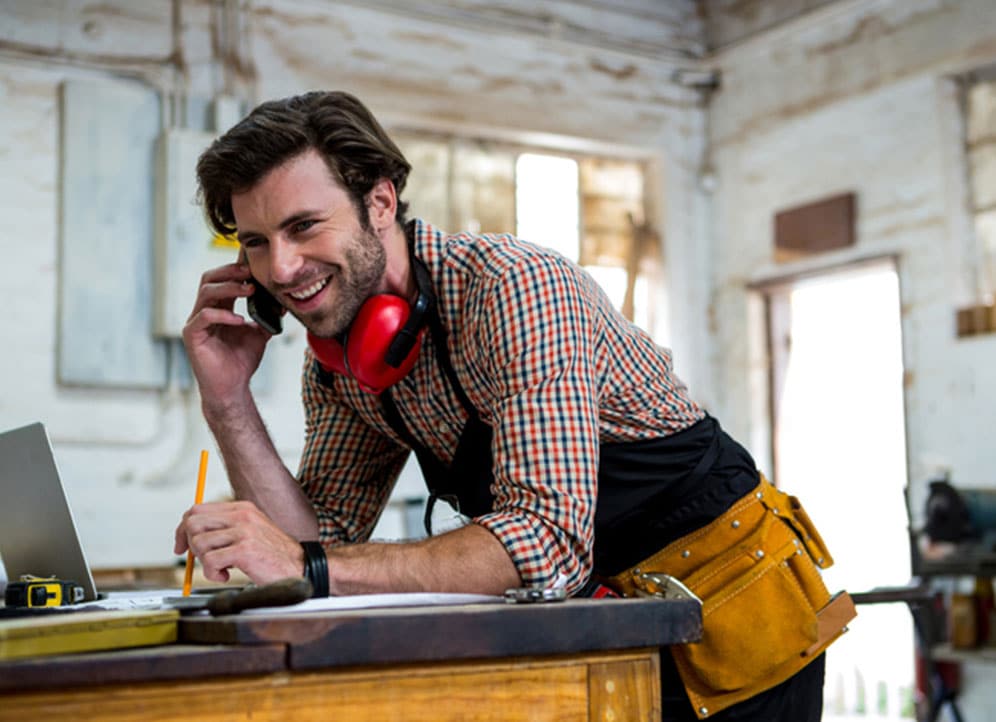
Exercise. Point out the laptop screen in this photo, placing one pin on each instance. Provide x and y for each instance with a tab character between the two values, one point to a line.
37	533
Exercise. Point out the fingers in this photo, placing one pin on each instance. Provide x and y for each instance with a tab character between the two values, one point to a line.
229	272
219	287
222	294
207	317
218	551
196	520
237	535
215	303
179	540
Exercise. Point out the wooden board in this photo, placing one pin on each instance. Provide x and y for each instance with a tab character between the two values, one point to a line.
85	631
414	634
145	664
818	227
612	686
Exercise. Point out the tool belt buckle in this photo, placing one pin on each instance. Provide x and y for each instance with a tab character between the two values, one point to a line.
662	586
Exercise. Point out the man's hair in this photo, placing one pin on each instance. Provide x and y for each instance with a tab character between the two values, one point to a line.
356	149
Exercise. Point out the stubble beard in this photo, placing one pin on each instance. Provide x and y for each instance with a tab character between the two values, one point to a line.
355	282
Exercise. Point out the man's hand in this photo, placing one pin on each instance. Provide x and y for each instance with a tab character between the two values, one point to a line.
226	535
224	349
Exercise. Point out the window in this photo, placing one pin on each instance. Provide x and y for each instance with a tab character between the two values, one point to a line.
546	202
590	209
980	150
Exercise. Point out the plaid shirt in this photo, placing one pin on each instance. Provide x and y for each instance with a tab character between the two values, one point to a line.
550	366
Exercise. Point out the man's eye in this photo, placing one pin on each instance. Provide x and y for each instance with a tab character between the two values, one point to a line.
301	226
253	242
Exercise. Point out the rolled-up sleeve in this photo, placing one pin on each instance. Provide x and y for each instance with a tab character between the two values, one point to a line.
536	332
348	468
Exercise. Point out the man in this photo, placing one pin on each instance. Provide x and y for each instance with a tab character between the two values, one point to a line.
555	426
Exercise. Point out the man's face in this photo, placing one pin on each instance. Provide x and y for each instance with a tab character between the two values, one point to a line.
305	243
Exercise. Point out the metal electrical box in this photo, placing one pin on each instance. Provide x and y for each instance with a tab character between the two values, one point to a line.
108	131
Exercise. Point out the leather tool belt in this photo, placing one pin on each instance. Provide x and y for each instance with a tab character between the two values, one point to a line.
766	612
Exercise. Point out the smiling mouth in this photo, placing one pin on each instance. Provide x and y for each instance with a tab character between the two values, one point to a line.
310	291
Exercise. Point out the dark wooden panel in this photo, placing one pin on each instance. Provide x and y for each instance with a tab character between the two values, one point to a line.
415	634
145	664
816	227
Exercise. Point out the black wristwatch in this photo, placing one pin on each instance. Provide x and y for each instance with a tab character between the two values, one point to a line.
316	568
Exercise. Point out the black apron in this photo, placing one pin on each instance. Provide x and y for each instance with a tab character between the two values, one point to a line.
649	492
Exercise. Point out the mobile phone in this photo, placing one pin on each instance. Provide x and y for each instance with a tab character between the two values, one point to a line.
264	309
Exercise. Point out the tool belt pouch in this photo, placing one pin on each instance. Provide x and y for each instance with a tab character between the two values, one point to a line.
766	612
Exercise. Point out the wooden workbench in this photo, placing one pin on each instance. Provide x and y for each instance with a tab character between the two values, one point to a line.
574	660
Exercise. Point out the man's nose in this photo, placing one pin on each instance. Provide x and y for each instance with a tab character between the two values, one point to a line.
284	262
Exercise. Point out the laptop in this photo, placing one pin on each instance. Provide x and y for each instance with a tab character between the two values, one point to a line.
38	535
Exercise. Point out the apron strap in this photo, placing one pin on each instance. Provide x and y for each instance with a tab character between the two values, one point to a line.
436	473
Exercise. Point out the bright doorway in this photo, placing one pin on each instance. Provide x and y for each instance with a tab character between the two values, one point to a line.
839	444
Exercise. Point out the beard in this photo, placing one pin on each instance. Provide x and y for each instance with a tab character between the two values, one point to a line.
354	283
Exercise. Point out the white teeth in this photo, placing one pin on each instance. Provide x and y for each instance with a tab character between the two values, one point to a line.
309	291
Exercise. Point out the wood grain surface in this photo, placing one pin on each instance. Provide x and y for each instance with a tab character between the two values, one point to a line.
609	686
415	634
144	664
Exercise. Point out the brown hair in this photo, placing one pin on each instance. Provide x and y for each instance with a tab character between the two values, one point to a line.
356	149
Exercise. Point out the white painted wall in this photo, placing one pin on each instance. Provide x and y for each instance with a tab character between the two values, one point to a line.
856	97
557	73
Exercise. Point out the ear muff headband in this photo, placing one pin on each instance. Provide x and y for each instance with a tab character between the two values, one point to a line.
410	333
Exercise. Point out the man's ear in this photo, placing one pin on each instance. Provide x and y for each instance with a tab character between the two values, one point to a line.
382	204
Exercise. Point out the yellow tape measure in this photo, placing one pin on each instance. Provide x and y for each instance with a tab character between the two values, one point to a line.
33	591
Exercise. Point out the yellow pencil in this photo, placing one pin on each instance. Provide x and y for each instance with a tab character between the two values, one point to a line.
198	498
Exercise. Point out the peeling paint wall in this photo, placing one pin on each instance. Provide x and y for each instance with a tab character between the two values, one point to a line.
567	74
858	96
728	22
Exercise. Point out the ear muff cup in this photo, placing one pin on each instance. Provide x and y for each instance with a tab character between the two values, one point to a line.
382	344
365	353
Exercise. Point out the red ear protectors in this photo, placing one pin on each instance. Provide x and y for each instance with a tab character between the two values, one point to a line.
382	344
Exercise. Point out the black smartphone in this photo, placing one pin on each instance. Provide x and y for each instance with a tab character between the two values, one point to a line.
264	308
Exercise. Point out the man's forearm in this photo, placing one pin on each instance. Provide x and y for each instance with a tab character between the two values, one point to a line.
256	472
469	560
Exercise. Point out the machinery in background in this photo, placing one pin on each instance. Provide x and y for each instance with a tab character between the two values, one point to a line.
951	595
964	517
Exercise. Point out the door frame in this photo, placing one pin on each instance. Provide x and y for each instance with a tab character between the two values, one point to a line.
764	289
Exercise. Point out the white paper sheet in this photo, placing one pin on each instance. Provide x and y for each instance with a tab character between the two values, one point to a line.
153	599
140	599
372	601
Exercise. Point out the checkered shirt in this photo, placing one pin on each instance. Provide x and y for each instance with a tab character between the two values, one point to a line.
550	366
